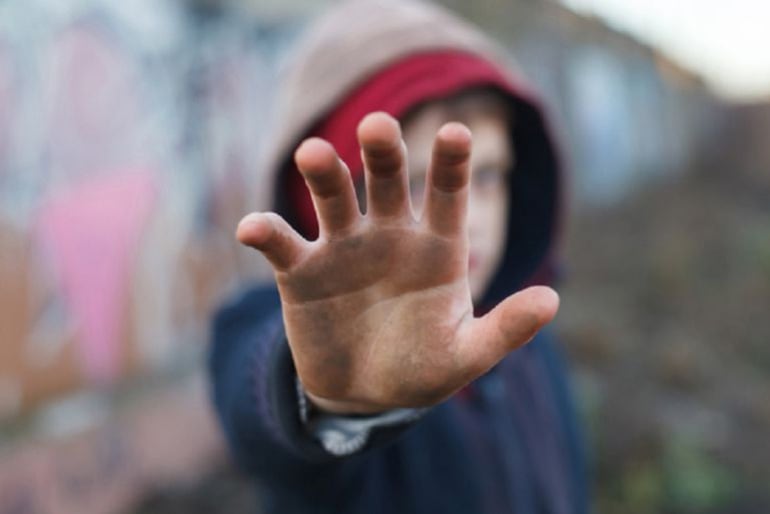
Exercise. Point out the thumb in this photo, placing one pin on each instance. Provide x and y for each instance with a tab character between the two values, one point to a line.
273	236
510	325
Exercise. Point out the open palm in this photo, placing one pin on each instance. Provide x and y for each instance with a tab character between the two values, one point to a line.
378	310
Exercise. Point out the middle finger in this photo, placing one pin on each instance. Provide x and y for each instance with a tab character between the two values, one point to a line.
383	154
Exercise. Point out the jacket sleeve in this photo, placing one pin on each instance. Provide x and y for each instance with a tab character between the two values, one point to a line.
254	391
555	365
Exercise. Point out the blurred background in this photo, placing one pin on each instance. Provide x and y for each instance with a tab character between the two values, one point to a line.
130	137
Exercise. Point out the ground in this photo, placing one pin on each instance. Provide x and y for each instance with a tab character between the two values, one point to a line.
665	317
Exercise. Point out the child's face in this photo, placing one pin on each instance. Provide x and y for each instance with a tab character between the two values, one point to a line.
491	162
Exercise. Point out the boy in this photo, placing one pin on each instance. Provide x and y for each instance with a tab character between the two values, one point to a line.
380	376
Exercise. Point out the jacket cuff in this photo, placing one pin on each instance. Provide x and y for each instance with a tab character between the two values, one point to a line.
283	405
345	435
321	437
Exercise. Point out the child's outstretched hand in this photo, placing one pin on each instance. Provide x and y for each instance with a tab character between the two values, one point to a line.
378	311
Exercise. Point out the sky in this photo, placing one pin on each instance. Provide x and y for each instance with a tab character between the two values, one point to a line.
727	42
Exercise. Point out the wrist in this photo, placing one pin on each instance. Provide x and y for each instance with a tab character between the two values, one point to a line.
342	407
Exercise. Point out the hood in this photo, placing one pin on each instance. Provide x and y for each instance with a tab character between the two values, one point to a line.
337	76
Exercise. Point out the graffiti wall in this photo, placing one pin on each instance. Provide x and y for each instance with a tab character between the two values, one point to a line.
128	141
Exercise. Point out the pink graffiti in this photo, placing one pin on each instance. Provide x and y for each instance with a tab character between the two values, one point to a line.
91	233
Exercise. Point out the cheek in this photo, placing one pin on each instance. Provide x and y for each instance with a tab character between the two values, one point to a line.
500	221
488	219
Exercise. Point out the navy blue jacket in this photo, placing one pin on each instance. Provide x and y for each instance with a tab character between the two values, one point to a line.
507	443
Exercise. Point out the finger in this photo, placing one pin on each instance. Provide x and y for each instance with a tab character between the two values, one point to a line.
330	185
383	154
446	192
511	324
271	235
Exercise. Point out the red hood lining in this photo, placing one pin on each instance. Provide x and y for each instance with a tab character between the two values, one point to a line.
397	89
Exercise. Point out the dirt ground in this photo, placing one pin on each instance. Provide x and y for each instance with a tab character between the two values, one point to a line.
665	316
